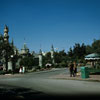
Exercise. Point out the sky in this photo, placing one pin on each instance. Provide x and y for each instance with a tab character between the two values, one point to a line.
41	23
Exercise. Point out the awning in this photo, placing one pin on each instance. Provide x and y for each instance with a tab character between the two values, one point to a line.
93	56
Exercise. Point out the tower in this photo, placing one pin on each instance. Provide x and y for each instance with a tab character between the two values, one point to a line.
52	54
40	58
24	49
6	36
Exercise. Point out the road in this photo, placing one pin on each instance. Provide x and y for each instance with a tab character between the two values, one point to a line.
41	84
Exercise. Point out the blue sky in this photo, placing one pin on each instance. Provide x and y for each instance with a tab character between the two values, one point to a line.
41	23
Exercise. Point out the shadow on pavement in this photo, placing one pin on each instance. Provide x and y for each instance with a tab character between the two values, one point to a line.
19	93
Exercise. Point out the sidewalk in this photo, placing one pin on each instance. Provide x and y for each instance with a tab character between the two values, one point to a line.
21	75
78	77
11	75
60	76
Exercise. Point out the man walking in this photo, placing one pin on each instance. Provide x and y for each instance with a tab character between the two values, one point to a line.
75	68
71	69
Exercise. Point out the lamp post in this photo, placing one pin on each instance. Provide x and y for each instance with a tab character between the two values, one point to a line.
12	59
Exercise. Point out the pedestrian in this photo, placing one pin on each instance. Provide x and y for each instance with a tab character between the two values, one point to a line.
23	70
71	69
20	70
75	68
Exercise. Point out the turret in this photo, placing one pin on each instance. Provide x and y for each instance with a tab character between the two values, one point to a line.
6	36
52	54
40	58
24	50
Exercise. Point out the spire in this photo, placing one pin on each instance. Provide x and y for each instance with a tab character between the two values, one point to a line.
40	52
52	54
52	48
6	29
24	47
40	58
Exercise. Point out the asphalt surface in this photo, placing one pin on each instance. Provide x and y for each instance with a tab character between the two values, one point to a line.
41	85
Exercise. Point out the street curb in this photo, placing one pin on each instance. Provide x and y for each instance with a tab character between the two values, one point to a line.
77	78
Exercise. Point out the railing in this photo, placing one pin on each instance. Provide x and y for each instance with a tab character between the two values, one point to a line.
93	70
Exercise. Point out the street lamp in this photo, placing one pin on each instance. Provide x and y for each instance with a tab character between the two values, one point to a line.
12	57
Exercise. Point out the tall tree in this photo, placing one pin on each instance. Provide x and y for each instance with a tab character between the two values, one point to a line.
1	45
78	52
6	51
96	46
89	49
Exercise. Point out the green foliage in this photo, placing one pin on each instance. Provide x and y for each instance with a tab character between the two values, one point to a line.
89	49
60	58
70	52
80	51
57	57
6	50
63	64
96	46
47	58
35	62
27	61
1	45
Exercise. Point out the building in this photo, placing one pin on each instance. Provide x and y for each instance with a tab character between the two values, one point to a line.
52	54
6	36
24	51
93	60
40	59
17	55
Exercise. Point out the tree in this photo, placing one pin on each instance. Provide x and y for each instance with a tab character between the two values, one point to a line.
70	53
77	53
47	58
61	58
89	49
1	45
27	61
57	57
6	50
96	46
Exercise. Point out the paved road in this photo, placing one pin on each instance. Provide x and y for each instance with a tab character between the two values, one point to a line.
43	84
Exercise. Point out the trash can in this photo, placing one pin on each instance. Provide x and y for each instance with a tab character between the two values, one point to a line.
84	72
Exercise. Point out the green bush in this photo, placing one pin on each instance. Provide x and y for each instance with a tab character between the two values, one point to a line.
2	72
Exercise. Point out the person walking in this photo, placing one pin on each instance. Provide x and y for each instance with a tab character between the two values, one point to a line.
75	68
71	69
20	70
23	70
